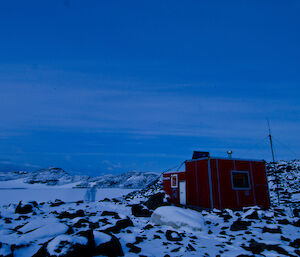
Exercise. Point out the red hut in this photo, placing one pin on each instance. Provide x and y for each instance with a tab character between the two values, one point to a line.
209	182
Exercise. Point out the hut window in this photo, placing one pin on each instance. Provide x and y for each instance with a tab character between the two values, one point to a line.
174	181
240	179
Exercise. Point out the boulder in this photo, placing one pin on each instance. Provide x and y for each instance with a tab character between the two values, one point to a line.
110	213
295	243
138	210
24	209
68	246
133	248
107	245
56	203
239	225
271	230
121	224
173	235
155	201
68	215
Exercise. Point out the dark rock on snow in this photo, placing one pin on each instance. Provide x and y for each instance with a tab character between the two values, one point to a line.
68	215
110	213
271	230
257	248
155	201
133	248
121	224
56	203
239	225
24	209
138	210
173	235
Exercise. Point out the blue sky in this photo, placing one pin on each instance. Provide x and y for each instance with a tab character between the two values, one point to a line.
101	87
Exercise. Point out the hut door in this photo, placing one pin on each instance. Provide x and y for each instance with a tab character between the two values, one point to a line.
182	194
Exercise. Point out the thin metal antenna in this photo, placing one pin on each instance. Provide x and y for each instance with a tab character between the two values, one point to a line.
275	173
271	143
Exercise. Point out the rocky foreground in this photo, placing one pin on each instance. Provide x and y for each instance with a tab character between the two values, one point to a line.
142	224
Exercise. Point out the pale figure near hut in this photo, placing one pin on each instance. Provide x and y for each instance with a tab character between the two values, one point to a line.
90	194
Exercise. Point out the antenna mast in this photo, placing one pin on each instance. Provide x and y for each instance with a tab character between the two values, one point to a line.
275	173
271	143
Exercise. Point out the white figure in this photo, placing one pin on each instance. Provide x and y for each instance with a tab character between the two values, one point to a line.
87	195
93	192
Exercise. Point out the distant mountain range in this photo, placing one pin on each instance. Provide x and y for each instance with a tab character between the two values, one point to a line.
56	176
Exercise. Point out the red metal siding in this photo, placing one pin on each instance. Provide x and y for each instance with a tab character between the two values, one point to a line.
261	184
215	183
229	198
197	183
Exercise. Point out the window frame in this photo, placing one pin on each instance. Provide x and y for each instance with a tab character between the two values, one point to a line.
174	176
240	188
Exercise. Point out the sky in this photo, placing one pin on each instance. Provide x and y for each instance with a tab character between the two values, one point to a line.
98	87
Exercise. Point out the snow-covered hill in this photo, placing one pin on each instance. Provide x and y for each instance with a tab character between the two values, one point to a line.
57	176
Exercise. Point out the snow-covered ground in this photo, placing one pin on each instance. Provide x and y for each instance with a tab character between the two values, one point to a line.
134	226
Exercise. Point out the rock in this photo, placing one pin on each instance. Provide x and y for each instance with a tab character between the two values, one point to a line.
271	230
253	215
173	235
68	215
133	248
107	245
34	203
239	225
297	223
175	250
255	247
295	243
67	246
104	221
296	212
226	216
110	213
105	200
121	224
155	201
57	203
70	231
81	223
24	217
285	239
24	209
94	225
139	211
7	220
190	248
283	222
139	239
149	226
